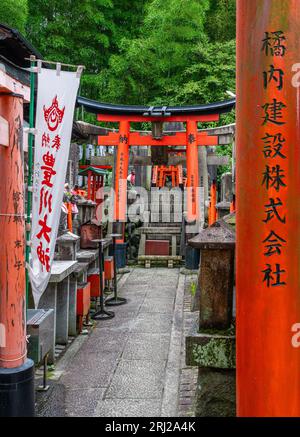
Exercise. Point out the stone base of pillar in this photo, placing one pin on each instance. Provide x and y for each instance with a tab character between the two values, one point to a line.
17	391
216	288
214	354
215	395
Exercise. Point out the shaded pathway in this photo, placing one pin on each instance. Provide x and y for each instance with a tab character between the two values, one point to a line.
121	369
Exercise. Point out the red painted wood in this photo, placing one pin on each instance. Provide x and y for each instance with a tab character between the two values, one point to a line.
109	267
268	354
94	281
89	184
105	167
12	237
84	299
157	247
212	214
192	167
122	172
136	139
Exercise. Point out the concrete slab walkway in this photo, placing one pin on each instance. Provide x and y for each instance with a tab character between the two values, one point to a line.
130	365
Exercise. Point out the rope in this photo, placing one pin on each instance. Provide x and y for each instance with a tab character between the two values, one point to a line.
12	215
20	358
15	359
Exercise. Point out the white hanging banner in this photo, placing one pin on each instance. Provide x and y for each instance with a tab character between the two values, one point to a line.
56	96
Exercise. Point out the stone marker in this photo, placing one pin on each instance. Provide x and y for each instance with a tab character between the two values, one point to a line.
212	349
216	275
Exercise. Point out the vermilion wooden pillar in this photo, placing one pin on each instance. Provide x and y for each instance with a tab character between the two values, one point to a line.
16	371
213	201
122	172
94	183
268	208
12	237
89	193
192	170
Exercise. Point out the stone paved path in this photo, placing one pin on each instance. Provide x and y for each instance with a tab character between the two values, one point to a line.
122	368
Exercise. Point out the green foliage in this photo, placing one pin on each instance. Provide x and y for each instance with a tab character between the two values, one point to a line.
73	31
220	25
171	28
210	75
142	51
172	60
193	287
152	64
150	52
14	13
127	16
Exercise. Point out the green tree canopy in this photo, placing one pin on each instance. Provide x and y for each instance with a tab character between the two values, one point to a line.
141	51
73	31
147	68
14	13
220	25
210	75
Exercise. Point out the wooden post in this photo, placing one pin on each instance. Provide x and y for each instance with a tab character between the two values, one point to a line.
268	209
192	170
173	175
89	185
69	217
213	197
160	176
16	371
94	182
121	172
12	262
232	205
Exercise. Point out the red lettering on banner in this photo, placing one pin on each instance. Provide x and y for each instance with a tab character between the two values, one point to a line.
56	143
48	171
53	115
45	200
43	256
45	229
45	140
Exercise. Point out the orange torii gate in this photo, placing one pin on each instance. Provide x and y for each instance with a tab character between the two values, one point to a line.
191	139
161	172
124	115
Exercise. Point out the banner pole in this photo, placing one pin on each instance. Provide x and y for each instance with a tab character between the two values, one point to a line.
30	163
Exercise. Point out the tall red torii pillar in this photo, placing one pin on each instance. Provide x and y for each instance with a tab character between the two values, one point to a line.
268	208
16	371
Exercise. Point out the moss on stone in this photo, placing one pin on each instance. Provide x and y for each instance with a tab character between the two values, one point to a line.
218	352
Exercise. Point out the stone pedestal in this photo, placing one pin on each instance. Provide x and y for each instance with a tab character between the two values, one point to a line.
72	306
49	301
216	288
67	246
226	187
86	211
215	393
223	207
214	354
216	274
212	349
